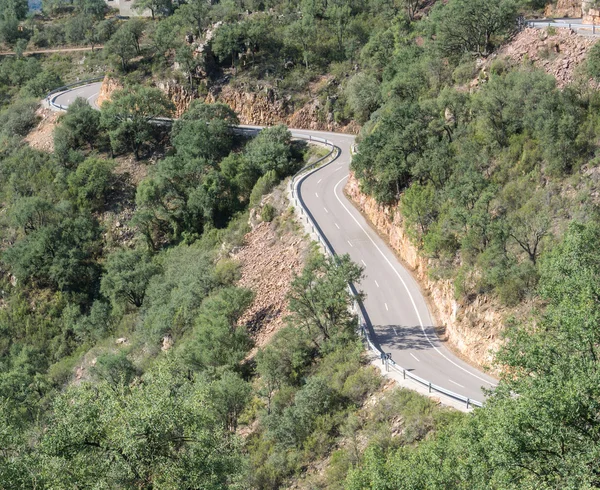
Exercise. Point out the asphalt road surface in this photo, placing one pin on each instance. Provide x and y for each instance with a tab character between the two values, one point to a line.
394	307
88	92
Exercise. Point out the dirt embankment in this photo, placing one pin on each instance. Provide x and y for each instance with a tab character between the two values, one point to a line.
471	329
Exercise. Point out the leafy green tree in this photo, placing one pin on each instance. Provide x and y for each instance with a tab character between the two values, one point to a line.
128	273
387	154
174	297
271	150
161	433
230	394
94	8
593	62
81	125
156	7
121	48
204	132
217	339
61	255
128	116
228	42
320	301
90	183
419	207
363	96
471	26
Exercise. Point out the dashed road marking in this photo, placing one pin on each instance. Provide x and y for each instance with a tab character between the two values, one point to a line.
319	181
338	226
350	243
456	383
415	357
316	194
326	210
363	262
412	300
386	307
376	283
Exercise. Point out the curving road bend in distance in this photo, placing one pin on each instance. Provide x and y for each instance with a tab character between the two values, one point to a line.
394	307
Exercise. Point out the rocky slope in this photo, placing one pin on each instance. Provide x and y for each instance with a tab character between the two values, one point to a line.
471	329
272	254
558	54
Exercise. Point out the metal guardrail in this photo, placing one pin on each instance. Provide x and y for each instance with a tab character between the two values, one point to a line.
296	180
56	92
579	28
362	323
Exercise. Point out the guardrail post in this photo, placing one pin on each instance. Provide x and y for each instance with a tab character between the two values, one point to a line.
468	402
404	373
429	387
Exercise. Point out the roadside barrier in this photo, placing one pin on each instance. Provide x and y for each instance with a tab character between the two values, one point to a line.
363	327
295	181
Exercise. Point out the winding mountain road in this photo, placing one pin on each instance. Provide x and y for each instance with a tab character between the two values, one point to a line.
395	309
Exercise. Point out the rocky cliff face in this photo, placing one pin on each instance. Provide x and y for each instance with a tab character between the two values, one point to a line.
471	329
261	108
565	8
109	85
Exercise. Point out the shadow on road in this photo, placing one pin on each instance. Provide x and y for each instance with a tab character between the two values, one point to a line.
402	338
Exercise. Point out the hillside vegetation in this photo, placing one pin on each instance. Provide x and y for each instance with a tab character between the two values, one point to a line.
129	280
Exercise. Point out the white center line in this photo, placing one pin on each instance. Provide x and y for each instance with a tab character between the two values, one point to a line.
350	243
414	357
364	263
412	300
456	383
319	181
338	226
386	307
326	210
376	283
91	96
316	194
340	168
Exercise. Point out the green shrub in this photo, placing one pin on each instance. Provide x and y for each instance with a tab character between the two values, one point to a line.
268	213
362	383
263	186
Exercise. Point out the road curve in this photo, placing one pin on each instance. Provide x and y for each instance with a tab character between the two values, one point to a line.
395	309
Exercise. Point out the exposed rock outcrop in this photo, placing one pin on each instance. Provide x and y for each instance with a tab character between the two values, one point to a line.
472	329
557	54
565	8
109	85
264	107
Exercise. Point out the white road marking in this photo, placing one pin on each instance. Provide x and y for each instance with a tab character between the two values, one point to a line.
339	168
326	210
376	283
456	383
405	287
93	95
338	226
386	307
416	359
319	181
316	194
349	243
363	262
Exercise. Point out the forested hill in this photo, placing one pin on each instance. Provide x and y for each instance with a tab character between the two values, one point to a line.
123	361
